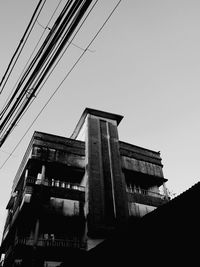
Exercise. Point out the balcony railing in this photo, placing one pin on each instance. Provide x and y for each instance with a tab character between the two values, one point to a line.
59	243
145	192
55	183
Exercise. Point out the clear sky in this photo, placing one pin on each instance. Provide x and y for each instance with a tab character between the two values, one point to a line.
144	65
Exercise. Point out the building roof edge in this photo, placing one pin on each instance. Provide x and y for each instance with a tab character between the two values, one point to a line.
95	112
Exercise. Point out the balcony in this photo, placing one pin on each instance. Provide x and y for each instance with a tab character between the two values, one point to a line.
54	183
144	192
146	197
51	243
55	188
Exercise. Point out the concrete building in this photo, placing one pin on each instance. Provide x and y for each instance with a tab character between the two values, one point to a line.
71	194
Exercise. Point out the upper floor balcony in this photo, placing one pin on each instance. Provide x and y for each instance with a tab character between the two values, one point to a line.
147	197
54	183
57	188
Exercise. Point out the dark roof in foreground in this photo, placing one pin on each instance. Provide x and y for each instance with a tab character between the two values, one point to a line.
168	235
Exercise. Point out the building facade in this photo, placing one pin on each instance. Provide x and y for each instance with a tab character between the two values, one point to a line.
70	194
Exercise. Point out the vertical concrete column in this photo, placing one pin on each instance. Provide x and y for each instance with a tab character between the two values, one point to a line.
108	190
43	174
119	185
107	198
95	177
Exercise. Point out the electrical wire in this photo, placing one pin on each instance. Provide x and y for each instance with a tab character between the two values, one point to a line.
47	27
40	57
77	46
35	59
78	15
21	44
56	90
23	112
60	59
82	7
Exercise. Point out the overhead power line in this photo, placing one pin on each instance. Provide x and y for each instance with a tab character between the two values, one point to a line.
63	80
22	72
21	45
40	66
28	70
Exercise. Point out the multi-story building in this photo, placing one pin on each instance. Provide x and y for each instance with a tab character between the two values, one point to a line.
69	194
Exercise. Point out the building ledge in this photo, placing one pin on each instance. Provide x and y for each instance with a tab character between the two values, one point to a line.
147	200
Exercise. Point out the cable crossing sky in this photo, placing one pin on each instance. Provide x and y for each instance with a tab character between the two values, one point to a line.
44	60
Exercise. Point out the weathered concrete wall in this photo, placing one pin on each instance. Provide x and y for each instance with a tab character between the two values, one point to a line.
107	192
59	143
140	153
133	164
68	157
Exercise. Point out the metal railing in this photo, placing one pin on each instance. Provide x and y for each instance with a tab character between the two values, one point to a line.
55	183
42	242
144	192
